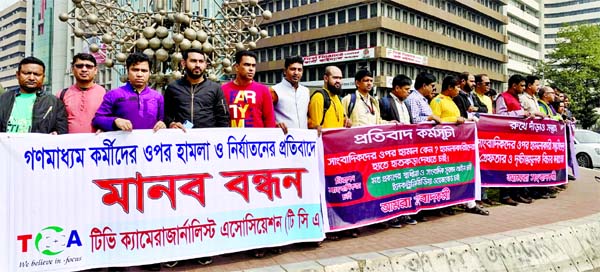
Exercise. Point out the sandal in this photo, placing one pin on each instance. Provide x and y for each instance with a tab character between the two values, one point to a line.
478	210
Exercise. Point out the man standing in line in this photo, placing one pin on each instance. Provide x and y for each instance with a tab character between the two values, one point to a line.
31	109
325	108
482	86
443	105
420	111
193	101
290	98
394	106
467	103
528	98
250	103
507	103
361	107
83	98
133	105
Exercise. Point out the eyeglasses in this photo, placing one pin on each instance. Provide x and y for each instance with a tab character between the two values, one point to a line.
81	65
486	83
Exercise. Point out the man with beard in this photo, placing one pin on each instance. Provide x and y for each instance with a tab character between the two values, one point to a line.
290	99
250	103
30	109
325	108
468	103
194	101
83	98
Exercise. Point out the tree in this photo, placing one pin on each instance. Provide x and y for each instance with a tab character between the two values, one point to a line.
2	89
574	67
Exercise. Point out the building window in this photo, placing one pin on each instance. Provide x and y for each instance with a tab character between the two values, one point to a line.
331	19
351	14
362	12
341	17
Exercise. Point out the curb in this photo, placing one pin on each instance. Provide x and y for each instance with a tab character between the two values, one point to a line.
572	245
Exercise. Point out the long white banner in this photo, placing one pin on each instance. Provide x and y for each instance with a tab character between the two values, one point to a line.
82	201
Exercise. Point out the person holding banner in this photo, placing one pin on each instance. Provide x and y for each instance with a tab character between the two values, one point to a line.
194	101
420	110
482	86
290	98
508	103
31	109
468	104
528	98
443	105
325	108
134	105
361	107
394	106
250	103
83	98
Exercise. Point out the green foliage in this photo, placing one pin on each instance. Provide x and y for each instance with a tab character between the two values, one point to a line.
2	89
574	67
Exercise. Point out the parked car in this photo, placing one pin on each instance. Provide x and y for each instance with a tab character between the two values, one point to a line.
587	148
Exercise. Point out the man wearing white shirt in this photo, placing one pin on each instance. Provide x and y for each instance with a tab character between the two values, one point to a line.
528	99
290	99
392	107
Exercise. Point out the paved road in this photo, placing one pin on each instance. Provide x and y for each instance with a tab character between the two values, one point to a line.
582	198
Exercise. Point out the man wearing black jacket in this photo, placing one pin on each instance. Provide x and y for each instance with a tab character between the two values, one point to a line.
194	101
466	101
31	109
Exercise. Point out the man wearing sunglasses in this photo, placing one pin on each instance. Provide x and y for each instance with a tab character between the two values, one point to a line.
83	98
482	86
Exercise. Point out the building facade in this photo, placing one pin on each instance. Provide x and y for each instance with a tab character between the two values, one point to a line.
388	37
13	33
524	31
558	13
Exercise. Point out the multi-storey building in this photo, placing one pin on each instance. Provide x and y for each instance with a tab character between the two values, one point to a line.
559	13
13	33
388	37
524	36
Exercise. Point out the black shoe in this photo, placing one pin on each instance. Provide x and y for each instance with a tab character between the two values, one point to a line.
448	211
509	201
489	202
151	267
571	177
523	200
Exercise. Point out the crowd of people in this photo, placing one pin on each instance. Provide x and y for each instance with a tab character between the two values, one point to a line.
196	102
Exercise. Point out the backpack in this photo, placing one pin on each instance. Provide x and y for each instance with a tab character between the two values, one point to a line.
326	102
385	105
62	94
351	104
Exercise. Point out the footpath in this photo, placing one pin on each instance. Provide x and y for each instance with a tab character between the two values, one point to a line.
561	234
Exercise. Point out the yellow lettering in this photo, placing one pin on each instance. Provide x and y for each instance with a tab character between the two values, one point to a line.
243	111
238	124
240	97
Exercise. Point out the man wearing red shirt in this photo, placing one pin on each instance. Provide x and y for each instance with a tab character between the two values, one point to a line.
250	103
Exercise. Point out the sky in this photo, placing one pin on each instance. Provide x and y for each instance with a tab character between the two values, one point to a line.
5	3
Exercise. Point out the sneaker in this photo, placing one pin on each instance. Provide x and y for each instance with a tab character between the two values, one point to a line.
407	220
171	264
204	260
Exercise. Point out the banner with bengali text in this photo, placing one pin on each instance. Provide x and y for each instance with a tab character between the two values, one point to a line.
81	201
376	173
517	152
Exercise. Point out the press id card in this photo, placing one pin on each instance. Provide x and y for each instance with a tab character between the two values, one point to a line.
187	124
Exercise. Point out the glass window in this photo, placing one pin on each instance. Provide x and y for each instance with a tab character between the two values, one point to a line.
286	28
351	14
312	22
303	24
341	17
373	39
352	42
341	46
362	12
312	48
321	20
373	10
287	4
331	19
331	46
362	41
321	47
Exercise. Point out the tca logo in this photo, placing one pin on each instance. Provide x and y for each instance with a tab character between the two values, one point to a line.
51	240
